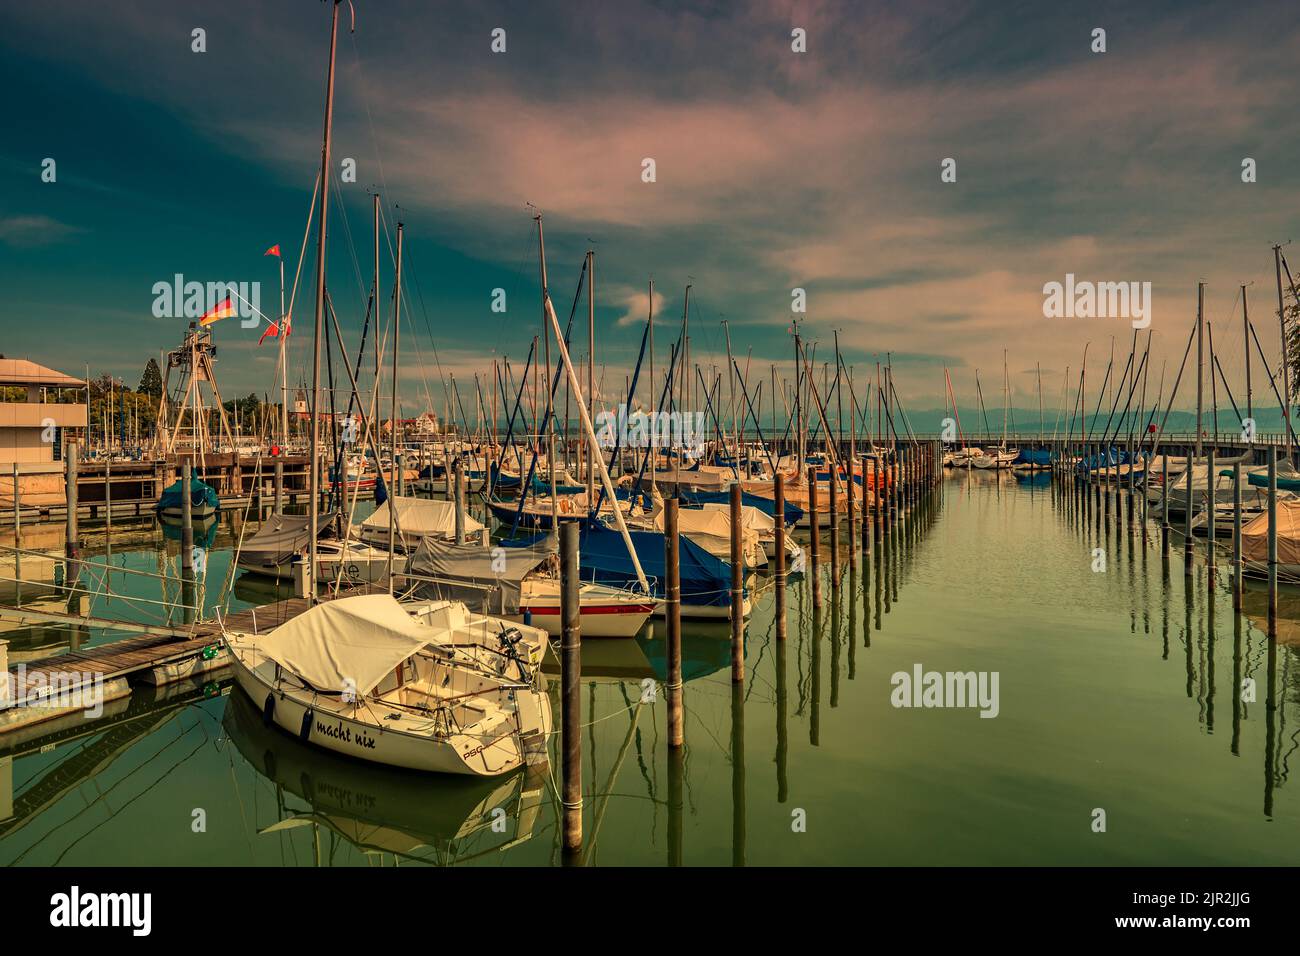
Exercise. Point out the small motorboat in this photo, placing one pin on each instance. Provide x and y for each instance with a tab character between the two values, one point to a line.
204	502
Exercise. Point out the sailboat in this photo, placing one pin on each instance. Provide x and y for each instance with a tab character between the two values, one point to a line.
710	528
521	584
416	519
439	690
1001	457
280	547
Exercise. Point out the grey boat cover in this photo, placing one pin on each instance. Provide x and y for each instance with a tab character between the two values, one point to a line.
281	537
487	580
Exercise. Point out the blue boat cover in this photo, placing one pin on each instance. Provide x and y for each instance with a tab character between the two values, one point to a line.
1033	456
200	494
603	558
1107	459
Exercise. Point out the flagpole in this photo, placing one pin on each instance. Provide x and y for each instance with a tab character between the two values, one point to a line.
283	333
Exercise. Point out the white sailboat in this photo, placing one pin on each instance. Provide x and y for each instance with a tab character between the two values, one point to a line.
279	549
521	584
1001	457
432	688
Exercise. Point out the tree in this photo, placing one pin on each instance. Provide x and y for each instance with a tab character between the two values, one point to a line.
151	382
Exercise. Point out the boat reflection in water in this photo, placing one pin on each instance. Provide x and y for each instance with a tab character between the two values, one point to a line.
381	810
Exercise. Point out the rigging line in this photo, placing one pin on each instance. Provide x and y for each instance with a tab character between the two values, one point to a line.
362	285
424	312
406	299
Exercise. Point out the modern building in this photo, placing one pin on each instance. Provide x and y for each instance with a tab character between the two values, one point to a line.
37	407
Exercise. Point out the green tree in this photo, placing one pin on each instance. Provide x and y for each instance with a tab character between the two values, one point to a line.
151	381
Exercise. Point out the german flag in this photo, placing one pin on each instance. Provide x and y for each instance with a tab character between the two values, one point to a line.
223	311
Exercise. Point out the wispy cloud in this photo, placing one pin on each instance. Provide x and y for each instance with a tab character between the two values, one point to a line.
776	169
34	230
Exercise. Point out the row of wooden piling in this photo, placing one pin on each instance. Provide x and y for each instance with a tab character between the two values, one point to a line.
915	470
1093	496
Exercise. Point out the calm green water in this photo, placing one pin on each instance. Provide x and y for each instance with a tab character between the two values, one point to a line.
1115	692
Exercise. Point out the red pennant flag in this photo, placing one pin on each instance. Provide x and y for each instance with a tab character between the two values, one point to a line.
223	311
272	330
273	251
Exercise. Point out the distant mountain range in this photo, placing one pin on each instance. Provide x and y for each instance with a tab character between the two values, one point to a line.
1025	422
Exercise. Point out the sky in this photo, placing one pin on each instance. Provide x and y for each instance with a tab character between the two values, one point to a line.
774	169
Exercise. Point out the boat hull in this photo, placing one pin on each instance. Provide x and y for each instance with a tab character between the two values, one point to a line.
339	733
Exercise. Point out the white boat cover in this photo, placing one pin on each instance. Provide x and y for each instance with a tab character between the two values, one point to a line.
419	518
346	644
716	524
751	519
1254	534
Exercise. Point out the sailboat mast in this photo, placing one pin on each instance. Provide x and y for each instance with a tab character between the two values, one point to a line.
283	334
591	365
650	326
1245	332
1038	369
1200	362
1006	398
550	411
313	475
731	376
374	204
392	413
1286	371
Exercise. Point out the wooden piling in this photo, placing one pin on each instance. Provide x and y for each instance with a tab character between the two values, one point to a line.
1272	541
1236	536
673	614
1105	492
1209	515
279	486
834	532
1188	552
878	504
458	496
18	511
187	522
570	688
70	494
778	496
852	536
814	551
866	511
737	591
1164	505
108	503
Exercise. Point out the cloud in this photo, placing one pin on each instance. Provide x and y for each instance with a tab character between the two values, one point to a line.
634	305
28	232
777	170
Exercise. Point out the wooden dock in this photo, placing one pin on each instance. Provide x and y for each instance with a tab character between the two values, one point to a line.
60	685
